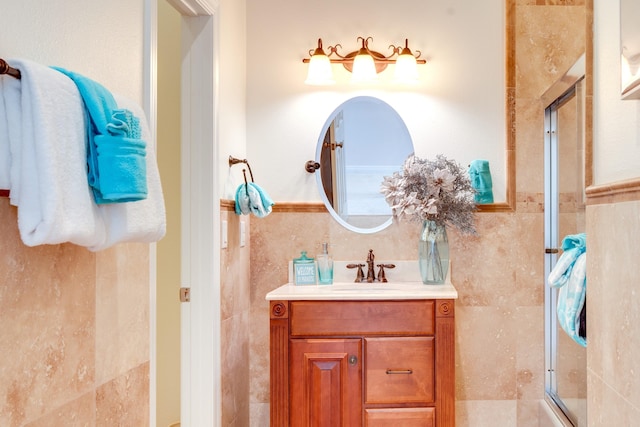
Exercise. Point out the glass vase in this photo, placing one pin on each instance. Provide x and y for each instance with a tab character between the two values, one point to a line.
433	253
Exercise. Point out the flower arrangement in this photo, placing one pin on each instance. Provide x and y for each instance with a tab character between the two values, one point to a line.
439	190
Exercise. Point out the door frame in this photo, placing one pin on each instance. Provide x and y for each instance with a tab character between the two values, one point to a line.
200	387
200	395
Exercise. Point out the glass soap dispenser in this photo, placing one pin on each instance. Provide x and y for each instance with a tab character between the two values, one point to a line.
325	266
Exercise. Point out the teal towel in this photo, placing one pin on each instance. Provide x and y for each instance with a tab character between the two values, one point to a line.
115	153
480	175
123	158
251	198
570	276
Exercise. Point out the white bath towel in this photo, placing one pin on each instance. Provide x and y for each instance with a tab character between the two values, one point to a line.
143	220
45	121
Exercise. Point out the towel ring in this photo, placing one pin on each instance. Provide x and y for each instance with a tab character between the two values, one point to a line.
234	161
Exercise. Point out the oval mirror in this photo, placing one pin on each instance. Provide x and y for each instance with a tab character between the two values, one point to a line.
362	141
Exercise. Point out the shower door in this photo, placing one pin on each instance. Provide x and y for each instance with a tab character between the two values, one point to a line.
565	360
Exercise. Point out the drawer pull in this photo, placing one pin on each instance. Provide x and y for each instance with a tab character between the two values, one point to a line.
353	360
399	371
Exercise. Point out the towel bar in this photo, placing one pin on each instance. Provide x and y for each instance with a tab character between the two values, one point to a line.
7	69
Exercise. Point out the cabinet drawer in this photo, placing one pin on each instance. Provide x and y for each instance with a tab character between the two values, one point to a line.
405	417
399	370
331	318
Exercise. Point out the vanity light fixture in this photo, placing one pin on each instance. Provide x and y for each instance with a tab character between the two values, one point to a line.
364	63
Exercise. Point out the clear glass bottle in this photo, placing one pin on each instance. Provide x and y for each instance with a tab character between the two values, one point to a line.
325	266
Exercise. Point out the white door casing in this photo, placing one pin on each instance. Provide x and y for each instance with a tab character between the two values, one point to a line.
200	389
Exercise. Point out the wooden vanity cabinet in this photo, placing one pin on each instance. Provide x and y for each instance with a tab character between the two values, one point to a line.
362	363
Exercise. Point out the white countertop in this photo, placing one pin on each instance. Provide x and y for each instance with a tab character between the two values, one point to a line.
363	291
404	283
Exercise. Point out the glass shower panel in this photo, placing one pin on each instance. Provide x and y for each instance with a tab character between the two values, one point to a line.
564	215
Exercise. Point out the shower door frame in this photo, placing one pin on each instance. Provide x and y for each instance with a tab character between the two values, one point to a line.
556	96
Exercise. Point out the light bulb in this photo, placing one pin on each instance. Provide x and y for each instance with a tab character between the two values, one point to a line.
320	72
406	69
364	69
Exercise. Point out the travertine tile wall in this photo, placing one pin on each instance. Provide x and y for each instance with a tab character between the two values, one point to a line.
235	313
614	314
499	273
75	333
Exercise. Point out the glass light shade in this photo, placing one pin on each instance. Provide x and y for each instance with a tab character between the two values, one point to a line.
364	69
319	72
406	69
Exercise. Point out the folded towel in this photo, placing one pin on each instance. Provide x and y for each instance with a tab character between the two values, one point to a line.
480	175
123	168
144	220
114	134
569	274
44	116
251	198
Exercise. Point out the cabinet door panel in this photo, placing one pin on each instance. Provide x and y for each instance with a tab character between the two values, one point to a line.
326	382
409	417
400	370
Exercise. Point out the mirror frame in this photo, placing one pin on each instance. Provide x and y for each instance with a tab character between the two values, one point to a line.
509	205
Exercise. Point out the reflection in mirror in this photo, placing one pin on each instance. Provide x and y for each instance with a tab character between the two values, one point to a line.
363	140
630	49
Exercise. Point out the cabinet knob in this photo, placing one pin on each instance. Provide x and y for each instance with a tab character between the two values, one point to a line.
353	360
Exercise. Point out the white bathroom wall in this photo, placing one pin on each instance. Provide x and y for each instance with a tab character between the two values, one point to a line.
616	123
232	96
457	109
81	36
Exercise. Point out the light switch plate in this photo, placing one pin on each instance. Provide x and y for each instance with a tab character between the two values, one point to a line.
243	234
224	235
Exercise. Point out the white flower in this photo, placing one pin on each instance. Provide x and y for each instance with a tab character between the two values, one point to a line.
443	179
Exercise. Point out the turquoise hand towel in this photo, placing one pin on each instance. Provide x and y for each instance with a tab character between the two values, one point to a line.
120	174
251	198
480	175
570	276
123	161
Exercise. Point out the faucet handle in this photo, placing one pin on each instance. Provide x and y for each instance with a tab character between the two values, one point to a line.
381	277
360	274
